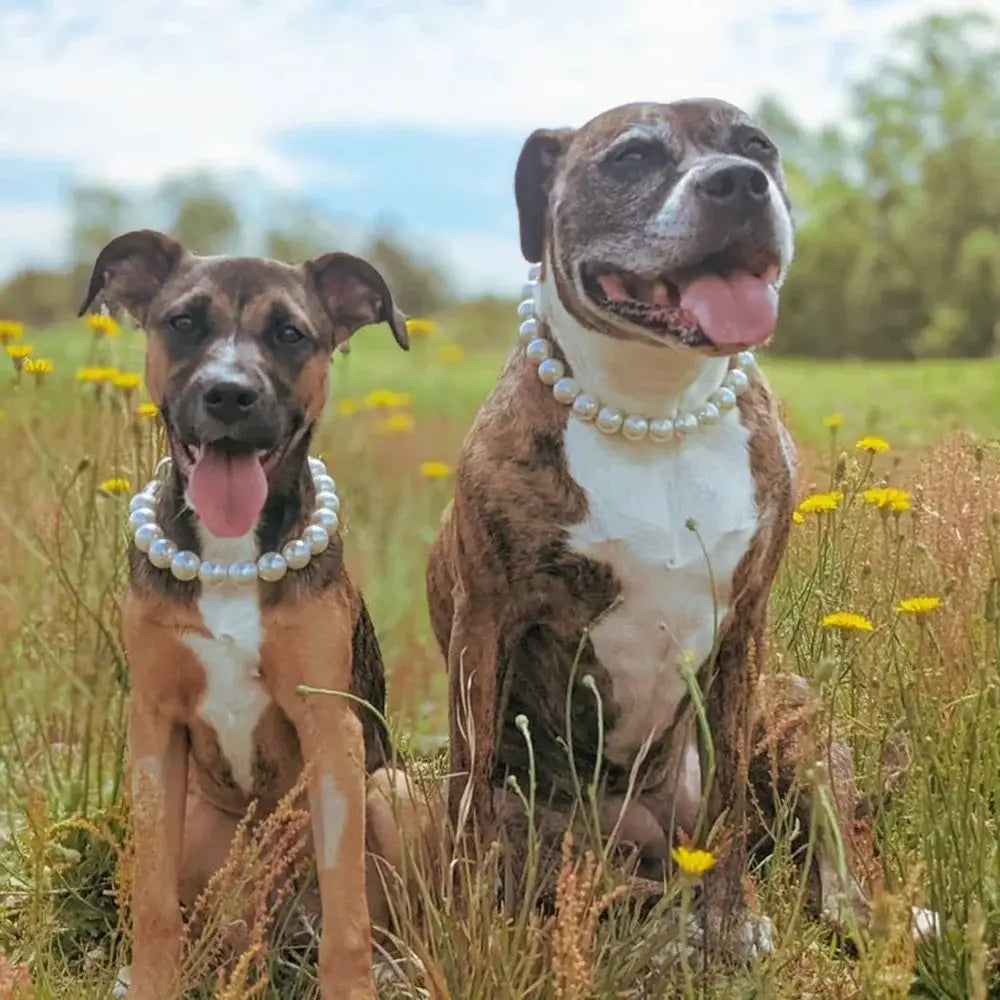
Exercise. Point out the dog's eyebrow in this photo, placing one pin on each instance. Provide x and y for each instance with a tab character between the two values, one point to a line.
197	303
659	132
280	312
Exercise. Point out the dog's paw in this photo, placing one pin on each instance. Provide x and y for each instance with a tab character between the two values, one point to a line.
925	925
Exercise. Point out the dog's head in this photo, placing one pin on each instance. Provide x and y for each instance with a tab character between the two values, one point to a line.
238	357
667	223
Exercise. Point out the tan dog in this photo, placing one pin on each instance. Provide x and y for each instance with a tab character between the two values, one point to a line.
238	593
623	499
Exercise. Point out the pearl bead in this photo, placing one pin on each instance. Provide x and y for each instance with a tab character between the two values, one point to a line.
163	468
243	573
141	516
161	552
317	467
528	289
316	538
212	574
328	500
528	330
609	420
565	390
297	554
535	272
551	370
736	380
586	407
271	567
526	308
325	518
724	398
708	415
145	535
538	350
324	484
634	427
745	359
661	429
686	423
142	499
185	565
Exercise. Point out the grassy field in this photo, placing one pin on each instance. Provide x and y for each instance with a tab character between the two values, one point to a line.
931	679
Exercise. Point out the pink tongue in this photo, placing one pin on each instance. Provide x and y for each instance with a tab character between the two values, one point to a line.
738	309
228	492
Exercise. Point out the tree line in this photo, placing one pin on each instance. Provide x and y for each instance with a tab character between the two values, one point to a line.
897	210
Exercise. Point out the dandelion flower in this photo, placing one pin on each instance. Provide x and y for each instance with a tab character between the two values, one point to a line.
421	328
386	399
101	325
10	329
918	605
833	421
848	620
398	423
39	367
347	407
886	497
115	486
147	411
451	354
435	470
95	374
126	381
873	445
817	503
693	861
18	352
798	518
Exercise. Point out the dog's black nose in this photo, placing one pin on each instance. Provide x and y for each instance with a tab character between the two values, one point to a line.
229	402
735	184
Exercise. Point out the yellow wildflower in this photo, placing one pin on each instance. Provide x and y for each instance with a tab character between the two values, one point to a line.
18	352
873	445
693	861
347	407
833	421
421	328
817	503
102	326
451	354
115	486
918	605
10	329
398	423
886	496
38	366
148	411
126	381
386	399
435	470
849	620
798	518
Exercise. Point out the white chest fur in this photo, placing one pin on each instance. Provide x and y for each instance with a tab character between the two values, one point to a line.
640	498
235	698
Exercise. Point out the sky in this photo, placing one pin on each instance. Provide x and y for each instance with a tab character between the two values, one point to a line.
411	113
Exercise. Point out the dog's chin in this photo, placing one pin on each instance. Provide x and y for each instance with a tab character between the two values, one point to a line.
655	308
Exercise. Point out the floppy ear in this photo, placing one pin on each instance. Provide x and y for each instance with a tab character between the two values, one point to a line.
532	179
131	269
354	295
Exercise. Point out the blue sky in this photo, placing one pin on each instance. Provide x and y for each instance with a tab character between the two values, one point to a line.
411	112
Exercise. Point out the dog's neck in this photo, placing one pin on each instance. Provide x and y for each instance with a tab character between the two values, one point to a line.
633	376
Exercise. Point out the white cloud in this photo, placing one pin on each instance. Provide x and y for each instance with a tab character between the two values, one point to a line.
32	235
131	93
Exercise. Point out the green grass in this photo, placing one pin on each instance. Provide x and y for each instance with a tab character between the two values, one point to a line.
62	674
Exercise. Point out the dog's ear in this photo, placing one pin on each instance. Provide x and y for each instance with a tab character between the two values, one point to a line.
131	269
532	179
354	295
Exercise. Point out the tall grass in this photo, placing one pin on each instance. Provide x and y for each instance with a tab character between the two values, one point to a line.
917	697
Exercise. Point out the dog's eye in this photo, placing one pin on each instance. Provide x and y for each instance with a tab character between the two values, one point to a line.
635	153
288	334
182	323
757	143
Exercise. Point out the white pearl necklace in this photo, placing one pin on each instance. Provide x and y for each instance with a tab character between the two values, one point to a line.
149	538
632	426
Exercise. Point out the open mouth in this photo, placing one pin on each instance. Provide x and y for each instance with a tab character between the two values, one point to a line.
715	302
227	483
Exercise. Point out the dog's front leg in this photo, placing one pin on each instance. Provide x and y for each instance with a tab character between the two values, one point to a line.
159	753
472	672
332	741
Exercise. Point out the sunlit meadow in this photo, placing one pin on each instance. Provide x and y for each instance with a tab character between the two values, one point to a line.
889	601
